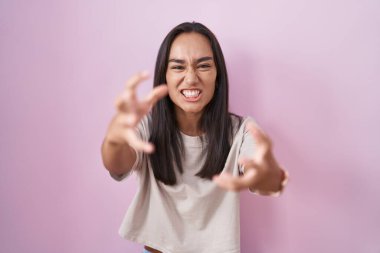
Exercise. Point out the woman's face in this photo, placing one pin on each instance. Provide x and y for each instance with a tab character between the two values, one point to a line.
191	73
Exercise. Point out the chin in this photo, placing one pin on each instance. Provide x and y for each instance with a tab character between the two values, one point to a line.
192	109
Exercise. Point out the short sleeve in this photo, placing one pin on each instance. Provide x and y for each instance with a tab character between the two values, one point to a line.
248	145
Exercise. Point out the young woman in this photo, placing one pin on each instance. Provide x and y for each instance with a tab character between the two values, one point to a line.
191	155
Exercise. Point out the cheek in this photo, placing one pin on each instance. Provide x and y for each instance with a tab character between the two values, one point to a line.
211	83
172	91
170	83
172	79
211	93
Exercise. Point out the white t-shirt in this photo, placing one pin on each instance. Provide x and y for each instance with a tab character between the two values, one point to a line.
193	216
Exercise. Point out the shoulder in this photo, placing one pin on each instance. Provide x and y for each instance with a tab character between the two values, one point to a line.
236	121
239	122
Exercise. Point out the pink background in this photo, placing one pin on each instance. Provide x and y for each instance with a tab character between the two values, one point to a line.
308	72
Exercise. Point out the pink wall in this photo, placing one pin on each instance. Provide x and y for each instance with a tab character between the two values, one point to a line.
308	72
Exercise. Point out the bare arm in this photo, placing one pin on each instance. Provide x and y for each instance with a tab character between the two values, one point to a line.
118	157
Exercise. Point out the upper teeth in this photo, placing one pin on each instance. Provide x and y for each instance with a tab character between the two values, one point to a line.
191	93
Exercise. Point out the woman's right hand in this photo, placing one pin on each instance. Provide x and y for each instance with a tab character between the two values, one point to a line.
130	111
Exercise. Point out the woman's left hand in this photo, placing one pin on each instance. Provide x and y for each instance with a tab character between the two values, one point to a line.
261	172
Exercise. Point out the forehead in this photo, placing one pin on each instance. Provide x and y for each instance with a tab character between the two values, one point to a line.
190	45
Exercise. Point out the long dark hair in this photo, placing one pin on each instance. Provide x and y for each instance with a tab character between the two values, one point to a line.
215	121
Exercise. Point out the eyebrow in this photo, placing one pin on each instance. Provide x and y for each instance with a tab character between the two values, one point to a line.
206	58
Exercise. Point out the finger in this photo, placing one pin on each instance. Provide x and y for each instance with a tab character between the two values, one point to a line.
263	141
248	163
135	80
126	101
135	142
250	178
232	183
119	103
129	119
255	130
156	94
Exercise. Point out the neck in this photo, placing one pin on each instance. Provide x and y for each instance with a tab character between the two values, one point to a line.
188	123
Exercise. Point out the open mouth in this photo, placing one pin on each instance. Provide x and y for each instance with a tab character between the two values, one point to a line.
191	94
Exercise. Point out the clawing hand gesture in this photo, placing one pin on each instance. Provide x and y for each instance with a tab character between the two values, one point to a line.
130	110
261	172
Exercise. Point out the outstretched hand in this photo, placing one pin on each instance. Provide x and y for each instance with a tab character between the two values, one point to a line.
259	171
130	111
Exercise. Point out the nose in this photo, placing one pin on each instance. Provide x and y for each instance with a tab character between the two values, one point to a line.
191	77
